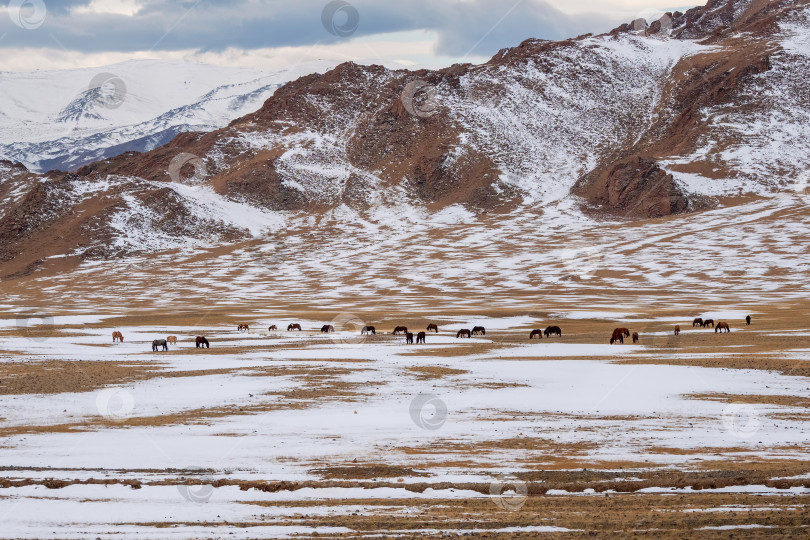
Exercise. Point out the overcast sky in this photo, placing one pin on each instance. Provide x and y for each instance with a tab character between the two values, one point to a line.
56	34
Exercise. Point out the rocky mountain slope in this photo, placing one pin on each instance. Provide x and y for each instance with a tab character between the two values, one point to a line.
683	113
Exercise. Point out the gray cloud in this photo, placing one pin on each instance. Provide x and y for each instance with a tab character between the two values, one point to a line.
475	27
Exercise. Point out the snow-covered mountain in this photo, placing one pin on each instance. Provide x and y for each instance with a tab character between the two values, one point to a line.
65	119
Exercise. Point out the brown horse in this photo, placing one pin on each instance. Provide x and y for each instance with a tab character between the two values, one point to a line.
420	337
553	330
708	322
272	328
409	338
463	333
400	330
118	336
748	320
433	327
625	331
243	328
327	328
368	330
635	337
479	330
293	326
201	342
172	340
677	329
618	335
722	326
697	322
537	332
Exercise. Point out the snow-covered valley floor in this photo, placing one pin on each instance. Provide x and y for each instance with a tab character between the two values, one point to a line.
285	434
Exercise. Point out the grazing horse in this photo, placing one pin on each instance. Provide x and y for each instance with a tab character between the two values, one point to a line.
479	330
463	333
243	328
625	331
118	336
677	329
537	332
400	330
409	338
722	326
159	343
272	328
618	335
420	337
172	340
434	327
555	330
202	342
635	337
748	320
697	322
708	322
327	328
294	326
368	330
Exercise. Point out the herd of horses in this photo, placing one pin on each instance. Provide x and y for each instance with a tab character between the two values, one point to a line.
617	336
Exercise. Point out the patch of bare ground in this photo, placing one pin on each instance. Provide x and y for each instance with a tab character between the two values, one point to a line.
424	373
800	368
57	376
367	471
754	399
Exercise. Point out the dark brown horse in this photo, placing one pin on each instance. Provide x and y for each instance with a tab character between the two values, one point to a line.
409	338
420	337
479	330
293	326
635	337
553	330
118	336
433	327
463	333
708	322
272	328
327	328
243	328
618	335
536	333
400	330
722	326
748	320
201	342
368	330
697	322
677	329
625	331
